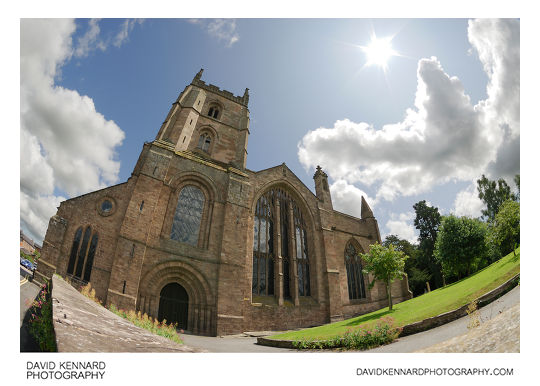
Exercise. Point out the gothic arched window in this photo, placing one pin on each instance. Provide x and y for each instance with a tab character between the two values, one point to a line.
355	278
187	216
81	258
263	247
204	142
301	252
293	235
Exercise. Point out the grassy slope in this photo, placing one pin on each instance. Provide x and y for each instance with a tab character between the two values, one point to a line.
431	304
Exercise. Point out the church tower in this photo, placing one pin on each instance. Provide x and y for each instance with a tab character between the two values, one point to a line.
209	121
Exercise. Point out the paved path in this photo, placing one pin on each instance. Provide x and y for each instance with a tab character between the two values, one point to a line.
246	344
458	327
29	292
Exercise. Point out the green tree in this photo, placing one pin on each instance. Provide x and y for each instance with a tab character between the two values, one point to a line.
493	194
427	221
506	226
385	264
417	274
461	246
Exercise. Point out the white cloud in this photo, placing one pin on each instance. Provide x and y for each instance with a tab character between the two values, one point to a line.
467	202
65	143
221	29
443	138
401	226
122	35
347	198
90	40
93	40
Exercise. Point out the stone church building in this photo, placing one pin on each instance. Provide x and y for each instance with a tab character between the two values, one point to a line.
195	237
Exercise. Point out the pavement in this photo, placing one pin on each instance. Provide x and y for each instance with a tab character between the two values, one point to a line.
438	339
450	330
246	343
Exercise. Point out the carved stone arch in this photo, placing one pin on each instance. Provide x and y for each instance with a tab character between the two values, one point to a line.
286	185
209	186
209	129
201	307
210	193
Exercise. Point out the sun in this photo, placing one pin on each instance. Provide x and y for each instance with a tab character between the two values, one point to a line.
379	51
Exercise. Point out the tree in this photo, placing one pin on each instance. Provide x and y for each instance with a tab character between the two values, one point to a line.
461	246
493	194
506	226
516	181
385	264
417	274
427	221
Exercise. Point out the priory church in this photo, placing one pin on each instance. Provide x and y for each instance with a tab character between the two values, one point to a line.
195	237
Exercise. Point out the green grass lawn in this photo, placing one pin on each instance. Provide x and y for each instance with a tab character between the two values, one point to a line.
431	304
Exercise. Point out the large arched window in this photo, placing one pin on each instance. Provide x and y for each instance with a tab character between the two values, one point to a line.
355	278
187	216
263	247
275	206
81	258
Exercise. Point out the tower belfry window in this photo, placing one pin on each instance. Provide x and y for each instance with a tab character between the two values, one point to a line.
204	142
213	112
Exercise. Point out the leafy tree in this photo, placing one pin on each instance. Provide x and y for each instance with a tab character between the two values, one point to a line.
417	274
516	181
385	264
461	247
427	221
493	194
506	226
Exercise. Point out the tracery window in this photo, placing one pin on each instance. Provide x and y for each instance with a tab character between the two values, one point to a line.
355	278
81	258
187	216
292	230
301	252
263	247
204	142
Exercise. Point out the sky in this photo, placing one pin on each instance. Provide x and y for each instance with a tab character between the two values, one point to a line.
425	124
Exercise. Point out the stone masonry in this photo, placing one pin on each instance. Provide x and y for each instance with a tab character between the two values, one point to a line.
124	241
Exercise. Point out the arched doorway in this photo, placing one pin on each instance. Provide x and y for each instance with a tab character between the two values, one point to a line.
173	305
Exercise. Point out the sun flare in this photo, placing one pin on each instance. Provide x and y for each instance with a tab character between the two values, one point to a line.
379	51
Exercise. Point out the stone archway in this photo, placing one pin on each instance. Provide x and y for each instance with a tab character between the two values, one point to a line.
174	305
160	293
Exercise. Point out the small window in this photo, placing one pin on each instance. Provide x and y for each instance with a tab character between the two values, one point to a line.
106	206
213	112
204	142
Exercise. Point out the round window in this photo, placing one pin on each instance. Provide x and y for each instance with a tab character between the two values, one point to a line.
106	206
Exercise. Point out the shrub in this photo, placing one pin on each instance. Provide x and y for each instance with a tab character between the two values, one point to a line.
90	293
41	323
358	338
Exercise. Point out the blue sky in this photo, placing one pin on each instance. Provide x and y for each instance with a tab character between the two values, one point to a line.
443	112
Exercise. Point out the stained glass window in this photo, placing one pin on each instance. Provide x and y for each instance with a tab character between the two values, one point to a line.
355	278
263	247
263	240
187	217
